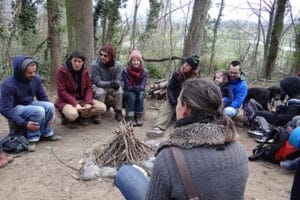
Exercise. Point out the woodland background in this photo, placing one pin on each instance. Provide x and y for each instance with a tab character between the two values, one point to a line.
48	30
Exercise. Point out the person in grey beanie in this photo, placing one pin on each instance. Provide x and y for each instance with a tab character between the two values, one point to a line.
166	112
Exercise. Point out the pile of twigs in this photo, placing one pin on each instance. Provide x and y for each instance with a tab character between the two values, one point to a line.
124	148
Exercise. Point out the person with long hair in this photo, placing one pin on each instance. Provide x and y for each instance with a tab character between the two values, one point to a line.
216	161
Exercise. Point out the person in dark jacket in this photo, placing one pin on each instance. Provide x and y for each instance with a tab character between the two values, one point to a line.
135	79
18	104
216	162
221	79
106	75
74	90
166	112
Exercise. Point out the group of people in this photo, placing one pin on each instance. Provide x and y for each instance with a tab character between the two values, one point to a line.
204	133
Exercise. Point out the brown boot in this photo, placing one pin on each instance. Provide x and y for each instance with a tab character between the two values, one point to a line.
139	119
97	119
118	115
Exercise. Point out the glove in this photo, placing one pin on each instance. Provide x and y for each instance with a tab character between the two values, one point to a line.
136	89
115	85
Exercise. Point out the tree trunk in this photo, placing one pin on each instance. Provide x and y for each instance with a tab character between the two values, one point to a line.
136	7
80	27
53	12
215	38
113	19
297	51
275	38
193	41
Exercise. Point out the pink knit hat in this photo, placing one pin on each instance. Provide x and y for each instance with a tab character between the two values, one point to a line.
135	54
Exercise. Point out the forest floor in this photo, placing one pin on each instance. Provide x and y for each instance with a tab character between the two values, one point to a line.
39	175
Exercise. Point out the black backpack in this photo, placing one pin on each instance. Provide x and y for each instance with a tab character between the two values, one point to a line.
14	143
267	151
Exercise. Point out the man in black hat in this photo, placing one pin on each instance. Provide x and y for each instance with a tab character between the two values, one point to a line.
167	110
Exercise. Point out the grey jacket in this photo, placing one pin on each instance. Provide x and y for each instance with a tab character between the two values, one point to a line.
219	170
102	75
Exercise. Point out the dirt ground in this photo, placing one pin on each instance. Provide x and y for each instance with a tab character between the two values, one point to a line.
39	175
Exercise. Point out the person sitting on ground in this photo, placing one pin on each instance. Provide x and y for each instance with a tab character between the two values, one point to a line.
135	79
283	113
238	86
216	162
166	112
106	79
221	79
25	103
74	90
4	159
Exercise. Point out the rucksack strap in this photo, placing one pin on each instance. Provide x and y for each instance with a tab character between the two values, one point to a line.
184	174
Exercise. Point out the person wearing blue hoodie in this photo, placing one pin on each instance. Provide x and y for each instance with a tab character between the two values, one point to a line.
24	102
238	86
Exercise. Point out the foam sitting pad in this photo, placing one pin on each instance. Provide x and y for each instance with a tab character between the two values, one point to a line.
294	138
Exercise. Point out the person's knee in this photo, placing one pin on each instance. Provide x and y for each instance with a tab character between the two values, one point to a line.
38	112
70	112
229	111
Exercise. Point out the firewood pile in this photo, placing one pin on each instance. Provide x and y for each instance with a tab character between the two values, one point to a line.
158	90
124	148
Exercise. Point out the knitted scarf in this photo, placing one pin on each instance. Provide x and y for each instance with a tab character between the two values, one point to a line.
134	74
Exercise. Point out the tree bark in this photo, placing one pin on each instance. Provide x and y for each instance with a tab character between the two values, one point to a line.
275	38
80	27
53	12
193	41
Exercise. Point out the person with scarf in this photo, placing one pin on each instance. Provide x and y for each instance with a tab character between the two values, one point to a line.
215	160
74	90
24	102
135	79
166	112
106	75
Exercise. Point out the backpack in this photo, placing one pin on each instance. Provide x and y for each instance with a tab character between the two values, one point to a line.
14	143
278	150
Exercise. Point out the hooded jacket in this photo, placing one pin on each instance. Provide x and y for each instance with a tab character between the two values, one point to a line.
239	88
16	90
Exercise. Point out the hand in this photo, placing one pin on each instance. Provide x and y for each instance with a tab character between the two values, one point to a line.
88	107
136	89
115	85
32	126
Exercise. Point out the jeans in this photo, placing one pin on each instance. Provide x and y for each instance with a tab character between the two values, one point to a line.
41	112
135	101
132	183
230	111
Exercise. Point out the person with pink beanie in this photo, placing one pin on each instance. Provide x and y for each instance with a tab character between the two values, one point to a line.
135	79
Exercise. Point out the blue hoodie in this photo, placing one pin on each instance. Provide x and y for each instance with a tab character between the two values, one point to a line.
16	90
239	89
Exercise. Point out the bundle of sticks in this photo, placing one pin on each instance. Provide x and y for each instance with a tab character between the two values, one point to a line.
158	90
124	148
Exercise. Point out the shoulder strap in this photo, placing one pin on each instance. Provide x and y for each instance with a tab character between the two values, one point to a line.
184	174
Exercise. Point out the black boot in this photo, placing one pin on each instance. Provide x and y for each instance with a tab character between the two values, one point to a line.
118	115
139	119
131	120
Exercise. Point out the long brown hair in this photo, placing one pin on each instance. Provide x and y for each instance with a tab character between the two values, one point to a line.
204	99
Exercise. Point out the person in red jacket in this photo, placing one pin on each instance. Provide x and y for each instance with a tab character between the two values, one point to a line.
74	89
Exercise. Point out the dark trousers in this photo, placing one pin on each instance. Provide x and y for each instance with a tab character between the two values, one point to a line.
295	192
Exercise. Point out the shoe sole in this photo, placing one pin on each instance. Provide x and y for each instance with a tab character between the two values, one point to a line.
154	134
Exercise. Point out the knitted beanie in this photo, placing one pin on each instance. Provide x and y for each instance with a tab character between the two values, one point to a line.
135	54
193	61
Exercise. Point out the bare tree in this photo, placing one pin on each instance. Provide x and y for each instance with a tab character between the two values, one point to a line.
215	36
136	7
193	40
53	12
275	38
80	27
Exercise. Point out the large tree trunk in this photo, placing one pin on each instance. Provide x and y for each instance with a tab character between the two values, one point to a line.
297	51
275	38
53	12
80	27
193	41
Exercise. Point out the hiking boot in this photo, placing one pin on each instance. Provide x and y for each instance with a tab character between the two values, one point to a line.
72	125
51	138
118	115
130	119
256	134
97	119
31	146
82	121
155	133
139	119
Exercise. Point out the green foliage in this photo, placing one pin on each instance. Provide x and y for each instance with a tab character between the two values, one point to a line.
155	72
